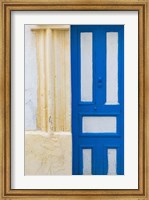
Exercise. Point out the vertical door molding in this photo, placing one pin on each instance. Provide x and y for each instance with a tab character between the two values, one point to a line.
53	95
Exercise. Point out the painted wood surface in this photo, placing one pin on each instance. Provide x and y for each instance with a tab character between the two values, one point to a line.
97	107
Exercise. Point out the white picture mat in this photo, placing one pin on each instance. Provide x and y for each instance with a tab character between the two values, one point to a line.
130	20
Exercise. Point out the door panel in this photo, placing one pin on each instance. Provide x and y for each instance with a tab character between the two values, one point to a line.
99	124
112	68
97	66
86	67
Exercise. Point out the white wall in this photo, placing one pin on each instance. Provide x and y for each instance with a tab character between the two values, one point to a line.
30	78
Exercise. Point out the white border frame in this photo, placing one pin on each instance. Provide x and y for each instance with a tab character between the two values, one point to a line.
130	20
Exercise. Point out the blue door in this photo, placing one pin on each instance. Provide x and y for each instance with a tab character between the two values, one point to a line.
97	74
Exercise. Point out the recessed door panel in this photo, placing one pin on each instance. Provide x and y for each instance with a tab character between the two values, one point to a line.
112	68
87	161
112	161
99	124
86	67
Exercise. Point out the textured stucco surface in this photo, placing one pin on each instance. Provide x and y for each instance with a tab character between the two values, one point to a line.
48	154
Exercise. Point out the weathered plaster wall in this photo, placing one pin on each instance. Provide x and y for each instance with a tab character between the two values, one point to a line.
48	154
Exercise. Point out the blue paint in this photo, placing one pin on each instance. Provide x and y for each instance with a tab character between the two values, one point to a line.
97	142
